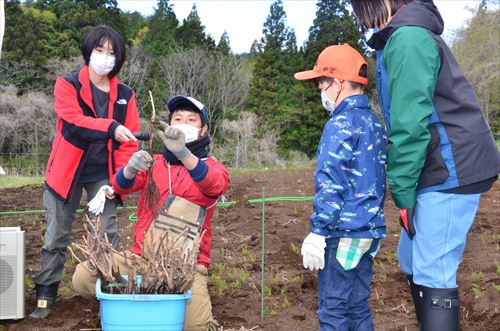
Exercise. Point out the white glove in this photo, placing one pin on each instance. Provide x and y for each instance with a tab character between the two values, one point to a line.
313	251
96	205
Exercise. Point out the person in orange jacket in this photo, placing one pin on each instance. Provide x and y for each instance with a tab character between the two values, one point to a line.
96	115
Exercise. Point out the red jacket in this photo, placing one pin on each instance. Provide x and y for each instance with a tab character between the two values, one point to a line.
203	193
78	127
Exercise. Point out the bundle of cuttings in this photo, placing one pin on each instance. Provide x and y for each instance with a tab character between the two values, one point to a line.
167	265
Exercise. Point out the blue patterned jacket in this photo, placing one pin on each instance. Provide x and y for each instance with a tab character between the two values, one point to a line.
350	181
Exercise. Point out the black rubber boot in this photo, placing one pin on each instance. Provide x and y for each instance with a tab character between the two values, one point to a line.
440	310
45	298
417	297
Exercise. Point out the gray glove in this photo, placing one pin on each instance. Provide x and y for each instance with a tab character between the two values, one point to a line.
174	140
140	160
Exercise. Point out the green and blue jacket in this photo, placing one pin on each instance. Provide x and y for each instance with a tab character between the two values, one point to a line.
439	138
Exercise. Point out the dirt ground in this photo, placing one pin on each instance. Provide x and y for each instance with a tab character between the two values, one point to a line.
290	291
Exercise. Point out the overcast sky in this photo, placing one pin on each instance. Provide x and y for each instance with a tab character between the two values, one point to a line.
243	19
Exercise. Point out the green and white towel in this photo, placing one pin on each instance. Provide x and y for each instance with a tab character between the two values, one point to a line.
351	250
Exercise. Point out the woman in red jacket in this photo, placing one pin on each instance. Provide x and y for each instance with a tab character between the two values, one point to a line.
96	115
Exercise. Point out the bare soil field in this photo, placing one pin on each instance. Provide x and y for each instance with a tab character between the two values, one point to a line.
290	290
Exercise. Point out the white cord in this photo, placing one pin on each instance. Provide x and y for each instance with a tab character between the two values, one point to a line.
169	180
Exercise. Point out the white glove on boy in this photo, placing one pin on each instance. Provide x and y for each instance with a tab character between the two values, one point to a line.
313	251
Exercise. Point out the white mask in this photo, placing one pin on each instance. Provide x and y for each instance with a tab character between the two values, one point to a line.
102	64
190	132
327	103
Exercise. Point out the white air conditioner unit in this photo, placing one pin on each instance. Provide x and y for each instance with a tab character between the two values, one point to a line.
11	273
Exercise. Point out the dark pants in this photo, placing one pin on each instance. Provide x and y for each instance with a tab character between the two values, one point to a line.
59	221
343	295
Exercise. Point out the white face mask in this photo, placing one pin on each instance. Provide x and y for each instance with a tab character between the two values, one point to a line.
102	64
190	132
327	103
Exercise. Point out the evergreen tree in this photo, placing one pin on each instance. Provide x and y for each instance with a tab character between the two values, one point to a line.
76	17
275	32
160	37
223	45
333	25
271	94
31	40
255	48
136	23
264	87
192	33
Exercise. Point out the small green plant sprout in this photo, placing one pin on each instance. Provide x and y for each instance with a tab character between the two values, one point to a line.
219	283
496	287
295	248
266	311
222	252
477	275
478	292
391	257
297	278
284	297
28	282
497	266
275	277
245	252
71	260
250	258
218	268
238	277
267	291
244	276
235	284
66	290
381	274
270	310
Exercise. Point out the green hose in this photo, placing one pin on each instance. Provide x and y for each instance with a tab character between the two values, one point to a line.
133	217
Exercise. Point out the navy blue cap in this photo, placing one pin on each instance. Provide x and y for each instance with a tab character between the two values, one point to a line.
180	101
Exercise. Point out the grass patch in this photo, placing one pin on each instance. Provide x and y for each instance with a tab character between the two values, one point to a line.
219	283
17	181
296	167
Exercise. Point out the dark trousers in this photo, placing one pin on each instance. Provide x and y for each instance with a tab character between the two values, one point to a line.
59	221
343	295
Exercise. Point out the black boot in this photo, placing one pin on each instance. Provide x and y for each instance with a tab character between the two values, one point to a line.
45	298
440	310
417	297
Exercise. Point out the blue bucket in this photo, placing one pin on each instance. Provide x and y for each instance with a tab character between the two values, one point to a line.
141	311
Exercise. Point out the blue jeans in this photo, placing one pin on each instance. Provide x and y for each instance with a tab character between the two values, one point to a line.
343	295
442	221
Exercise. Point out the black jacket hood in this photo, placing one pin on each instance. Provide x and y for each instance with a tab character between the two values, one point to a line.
421	13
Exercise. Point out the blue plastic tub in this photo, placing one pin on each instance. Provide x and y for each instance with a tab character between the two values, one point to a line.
141	311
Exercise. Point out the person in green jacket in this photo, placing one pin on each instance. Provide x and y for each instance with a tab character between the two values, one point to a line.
442	153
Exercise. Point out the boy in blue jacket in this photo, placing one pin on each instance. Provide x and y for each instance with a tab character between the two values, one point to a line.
348	219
